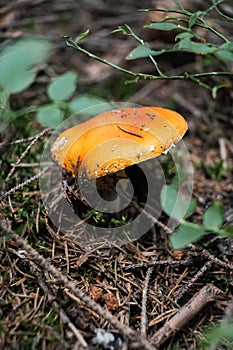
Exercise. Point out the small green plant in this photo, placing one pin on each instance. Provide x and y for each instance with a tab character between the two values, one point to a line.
215	170
187	40
104	219
18	61
59	91
180	209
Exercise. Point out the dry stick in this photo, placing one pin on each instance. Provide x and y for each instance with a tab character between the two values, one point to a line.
125	330
26	139
223	151
31	165
144	299
152	218
22	184
185	314
64	317
217	261
209	256
200	273
160	262
35	139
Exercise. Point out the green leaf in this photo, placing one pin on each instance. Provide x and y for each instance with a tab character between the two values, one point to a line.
162	26
192	20
7	116
181	175
122	30
17	60
81	36
3	100
50	116
174	205
142	51
225	51
227	46
194	17
186	235
226	55
214	215
98	105
63	87
227	231
198	48
184	35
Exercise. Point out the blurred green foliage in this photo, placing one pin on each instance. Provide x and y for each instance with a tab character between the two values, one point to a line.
185	23
19	62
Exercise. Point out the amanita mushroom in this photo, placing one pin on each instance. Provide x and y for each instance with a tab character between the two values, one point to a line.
104	150
117	139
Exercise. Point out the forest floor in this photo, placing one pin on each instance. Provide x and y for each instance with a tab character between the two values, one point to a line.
56	292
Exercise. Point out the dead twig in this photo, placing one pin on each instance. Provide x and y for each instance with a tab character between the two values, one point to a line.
207	294
64	317
223	151
199	274
144	299
35	139
26	139
160	263
22	184
209	256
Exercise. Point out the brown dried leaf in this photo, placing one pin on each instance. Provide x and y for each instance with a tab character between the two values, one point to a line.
111	301
95	292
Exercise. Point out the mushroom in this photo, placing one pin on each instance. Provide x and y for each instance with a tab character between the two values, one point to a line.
104	147
117	139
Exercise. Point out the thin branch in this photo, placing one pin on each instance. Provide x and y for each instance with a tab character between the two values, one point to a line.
25	139
207	294
209	256
22	184
71	43
35	139
144	300
138	76
64	317
187	286
160	263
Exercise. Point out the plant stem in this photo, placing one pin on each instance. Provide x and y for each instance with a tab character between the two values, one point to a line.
71	43
186	75
182	11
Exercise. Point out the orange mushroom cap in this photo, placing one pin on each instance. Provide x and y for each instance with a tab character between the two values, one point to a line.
114	140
